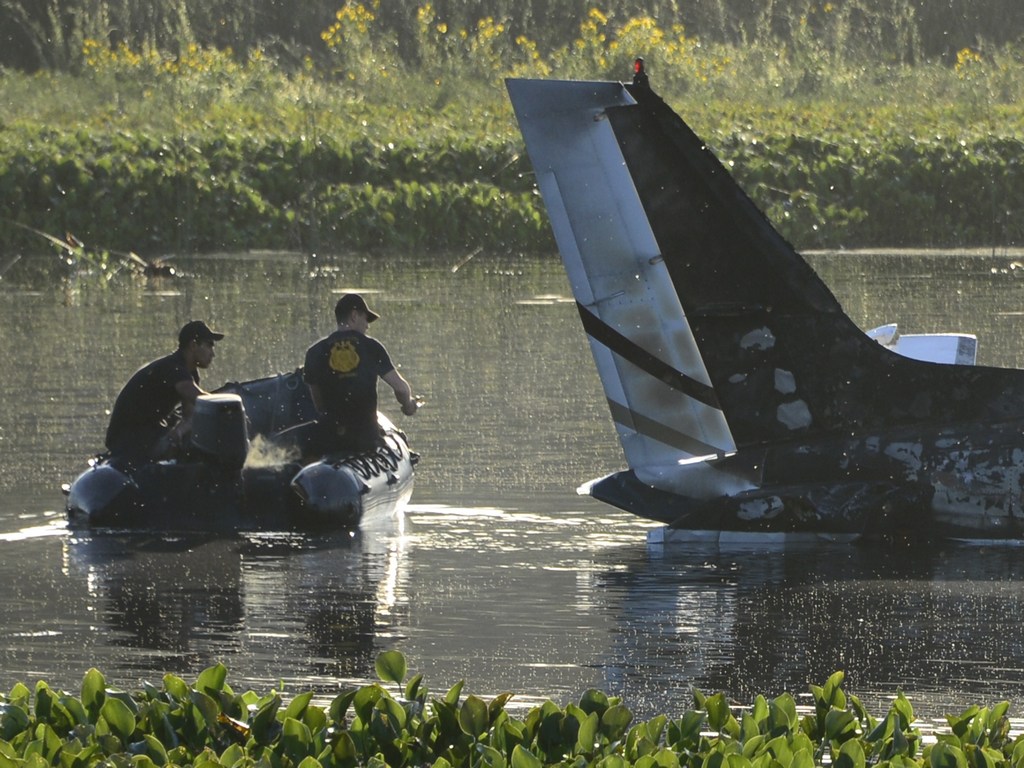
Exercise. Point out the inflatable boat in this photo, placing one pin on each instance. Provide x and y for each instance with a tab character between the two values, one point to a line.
234	479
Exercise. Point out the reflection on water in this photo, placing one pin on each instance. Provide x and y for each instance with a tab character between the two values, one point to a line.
939	624
499	574
291	607
541	604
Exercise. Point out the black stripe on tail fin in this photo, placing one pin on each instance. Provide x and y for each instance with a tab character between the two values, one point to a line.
784	360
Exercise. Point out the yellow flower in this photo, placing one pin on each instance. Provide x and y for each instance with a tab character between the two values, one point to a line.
968	62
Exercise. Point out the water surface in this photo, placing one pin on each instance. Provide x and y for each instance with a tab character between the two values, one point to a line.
499	574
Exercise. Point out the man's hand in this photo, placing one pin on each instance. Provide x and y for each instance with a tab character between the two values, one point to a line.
409	408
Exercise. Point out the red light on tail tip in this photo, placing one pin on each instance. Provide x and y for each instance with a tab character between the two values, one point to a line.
640	79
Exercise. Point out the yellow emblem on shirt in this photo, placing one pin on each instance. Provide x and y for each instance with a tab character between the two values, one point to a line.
344	358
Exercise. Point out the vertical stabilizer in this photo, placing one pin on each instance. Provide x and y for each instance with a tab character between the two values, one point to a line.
661	398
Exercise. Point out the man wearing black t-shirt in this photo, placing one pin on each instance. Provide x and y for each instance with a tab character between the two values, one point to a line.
342	371
142	426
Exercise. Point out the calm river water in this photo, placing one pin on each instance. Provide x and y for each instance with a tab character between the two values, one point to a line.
499	574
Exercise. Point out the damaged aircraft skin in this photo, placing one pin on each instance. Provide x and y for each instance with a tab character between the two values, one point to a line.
746	401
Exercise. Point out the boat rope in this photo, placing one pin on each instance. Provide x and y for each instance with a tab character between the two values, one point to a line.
384	460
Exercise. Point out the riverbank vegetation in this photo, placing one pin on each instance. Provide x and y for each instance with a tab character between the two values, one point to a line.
398	722
843	124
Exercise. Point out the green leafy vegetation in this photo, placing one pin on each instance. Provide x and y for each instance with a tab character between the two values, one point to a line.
41	34
397	722
401	136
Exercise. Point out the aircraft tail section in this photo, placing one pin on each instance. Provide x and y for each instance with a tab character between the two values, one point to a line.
711	335
661	398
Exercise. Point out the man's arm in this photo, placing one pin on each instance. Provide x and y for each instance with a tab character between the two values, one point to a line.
188	391
318	398
403	392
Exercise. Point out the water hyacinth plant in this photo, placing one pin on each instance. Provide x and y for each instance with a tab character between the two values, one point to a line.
397	722
395	132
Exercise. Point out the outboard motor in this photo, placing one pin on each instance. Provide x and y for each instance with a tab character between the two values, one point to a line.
218	429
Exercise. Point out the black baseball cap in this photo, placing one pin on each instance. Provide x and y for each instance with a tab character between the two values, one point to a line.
351	301
197	330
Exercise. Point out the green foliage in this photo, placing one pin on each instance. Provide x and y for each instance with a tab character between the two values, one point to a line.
235	191
207	725
50	33
404	138
411	185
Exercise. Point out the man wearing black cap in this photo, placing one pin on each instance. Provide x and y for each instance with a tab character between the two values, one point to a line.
142	424
342	371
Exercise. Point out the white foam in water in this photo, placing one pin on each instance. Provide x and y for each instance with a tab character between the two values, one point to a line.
263	453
